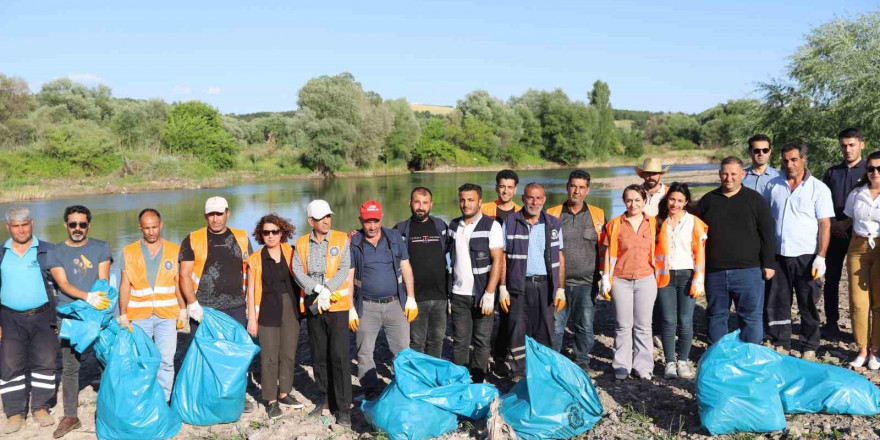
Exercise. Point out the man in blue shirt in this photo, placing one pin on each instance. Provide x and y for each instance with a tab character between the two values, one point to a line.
27	317
760	173
801	206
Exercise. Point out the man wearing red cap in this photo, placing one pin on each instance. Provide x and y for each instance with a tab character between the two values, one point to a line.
383	292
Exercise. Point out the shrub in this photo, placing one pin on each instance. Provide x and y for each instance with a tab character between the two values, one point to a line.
196	128
85	145
682	144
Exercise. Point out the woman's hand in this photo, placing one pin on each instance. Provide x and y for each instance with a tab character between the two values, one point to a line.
252	327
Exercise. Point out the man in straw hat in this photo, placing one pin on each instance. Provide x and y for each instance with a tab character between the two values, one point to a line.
651	171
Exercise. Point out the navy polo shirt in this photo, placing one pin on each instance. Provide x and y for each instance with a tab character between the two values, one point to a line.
379	279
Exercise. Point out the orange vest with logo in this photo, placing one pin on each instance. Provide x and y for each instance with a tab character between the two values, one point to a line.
198	240
336	244
597	213
255	270
145	300
491	208
612	235
698	248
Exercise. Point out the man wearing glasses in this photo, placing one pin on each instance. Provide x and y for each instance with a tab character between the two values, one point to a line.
75	264
760	173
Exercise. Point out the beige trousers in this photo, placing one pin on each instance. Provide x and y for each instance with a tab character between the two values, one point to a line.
863	265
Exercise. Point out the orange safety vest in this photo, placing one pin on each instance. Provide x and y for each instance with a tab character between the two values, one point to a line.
145	300
491	208
337	242
198	240
698	247
612	233
596	213
255	270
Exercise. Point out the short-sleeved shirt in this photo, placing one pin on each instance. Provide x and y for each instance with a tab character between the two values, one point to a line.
797	214
151	262
428	261
582	249
652	205
501	215
535	264
865	212
379	279
463	279
22	285
759	182
634	251
80	264
220	284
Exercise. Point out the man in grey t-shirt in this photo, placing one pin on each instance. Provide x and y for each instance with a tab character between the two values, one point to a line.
75	264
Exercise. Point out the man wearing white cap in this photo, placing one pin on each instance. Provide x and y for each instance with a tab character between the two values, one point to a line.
651	172
213	260
322	268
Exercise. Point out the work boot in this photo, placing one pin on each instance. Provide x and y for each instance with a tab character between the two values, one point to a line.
343	418
43	418
13	424
66	425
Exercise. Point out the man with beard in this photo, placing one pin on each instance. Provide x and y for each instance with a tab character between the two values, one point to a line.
427	243
651	172
148	295
27	316
76	264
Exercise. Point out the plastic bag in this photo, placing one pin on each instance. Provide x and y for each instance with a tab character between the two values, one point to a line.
556	399
426	397
131	404
104	343
737	389
810	387
83	323
210	387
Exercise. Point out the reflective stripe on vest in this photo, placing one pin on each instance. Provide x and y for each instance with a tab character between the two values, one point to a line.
255	269
336	242
144	299
699	234
612	236
517	249
479	252
198	241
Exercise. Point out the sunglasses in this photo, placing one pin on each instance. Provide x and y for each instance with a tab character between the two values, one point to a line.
268	232
760	150
870	169
82	225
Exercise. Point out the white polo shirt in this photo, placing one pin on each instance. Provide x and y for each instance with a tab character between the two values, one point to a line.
463	279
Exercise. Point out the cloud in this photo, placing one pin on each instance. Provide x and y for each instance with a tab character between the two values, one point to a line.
213	90
181	90
87	78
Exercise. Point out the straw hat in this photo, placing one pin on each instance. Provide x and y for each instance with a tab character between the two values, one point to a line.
651	165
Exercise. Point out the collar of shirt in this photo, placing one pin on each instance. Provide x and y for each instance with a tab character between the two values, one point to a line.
314	239
473	222
567	209
34	243
769	172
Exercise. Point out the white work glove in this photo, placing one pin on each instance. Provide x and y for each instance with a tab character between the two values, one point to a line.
606	286
182	318
411	309
123	321
195	311
98	300
487	304
559	301
504	298
699	289
324	300
818	267
353	320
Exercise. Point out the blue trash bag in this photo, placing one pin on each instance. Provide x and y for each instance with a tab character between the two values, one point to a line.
82	322
556	399
811	387
737	388
131	403
426	398
210	387
104	343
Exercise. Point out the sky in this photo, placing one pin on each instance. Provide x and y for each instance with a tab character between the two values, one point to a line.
244	57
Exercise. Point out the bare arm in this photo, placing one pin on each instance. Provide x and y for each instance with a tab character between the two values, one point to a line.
64	285
561	269
824	235
186	286
180	302
497	268
104	270
502	280
408	278
251	300
124	293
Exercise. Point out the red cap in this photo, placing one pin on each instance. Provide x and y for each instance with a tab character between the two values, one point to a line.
371	210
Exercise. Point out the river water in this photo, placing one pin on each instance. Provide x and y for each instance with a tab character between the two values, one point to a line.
114	216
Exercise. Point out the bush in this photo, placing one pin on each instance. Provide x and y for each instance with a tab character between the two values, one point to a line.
196	128
432	152
682	144
85	145
633	145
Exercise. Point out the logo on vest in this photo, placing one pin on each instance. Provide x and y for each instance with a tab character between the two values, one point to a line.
554	234
168	265
244	255
334	251
481	254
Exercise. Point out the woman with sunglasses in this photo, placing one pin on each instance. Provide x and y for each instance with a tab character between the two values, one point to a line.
863	264
680	269
628	280
273	315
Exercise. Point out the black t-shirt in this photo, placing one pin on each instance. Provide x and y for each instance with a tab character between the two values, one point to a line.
501	215
220	286
277	282
427	260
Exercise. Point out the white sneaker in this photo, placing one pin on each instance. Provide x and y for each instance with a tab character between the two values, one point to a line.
858	362
873	363
671	371
684	370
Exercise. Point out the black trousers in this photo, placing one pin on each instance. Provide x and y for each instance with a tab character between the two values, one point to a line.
28	353
501	344
834	257
471	328
329	342
793	273
531	314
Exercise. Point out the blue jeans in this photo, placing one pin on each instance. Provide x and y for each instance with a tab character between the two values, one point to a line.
164	334
743	287
579	312
677	312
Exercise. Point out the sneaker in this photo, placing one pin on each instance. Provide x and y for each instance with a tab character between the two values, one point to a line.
273	410
43	417
684	370
343	418
645	376
658	343
13	424
620	376
873	363
290	400
809	355
66	425
858	362
248	405
671	371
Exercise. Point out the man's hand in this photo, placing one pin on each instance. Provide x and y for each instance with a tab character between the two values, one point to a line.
123	322
559	301
195	311
411	309
768	273
699	289
818	267
98	300
336	296
487	304
504	298
252	327
324	300
182	318
353	320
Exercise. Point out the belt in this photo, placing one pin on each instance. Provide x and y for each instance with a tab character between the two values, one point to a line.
537	278
40	309
385	300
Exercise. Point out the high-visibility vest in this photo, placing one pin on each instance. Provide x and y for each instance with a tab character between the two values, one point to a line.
145	300
597	213
198	240
698	248
255	270
336	243
491	208
612	235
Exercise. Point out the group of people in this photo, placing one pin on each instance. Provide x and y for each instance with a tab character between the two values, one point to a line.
754	241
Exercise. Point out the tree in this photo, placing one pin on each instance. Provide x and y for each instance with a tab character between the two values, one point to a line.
405	131
80	101
15	98
633	145
604	132
196	128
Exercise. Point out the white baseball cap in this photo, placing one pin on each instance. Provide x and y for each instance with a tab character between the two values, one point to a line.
216	204
318	209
